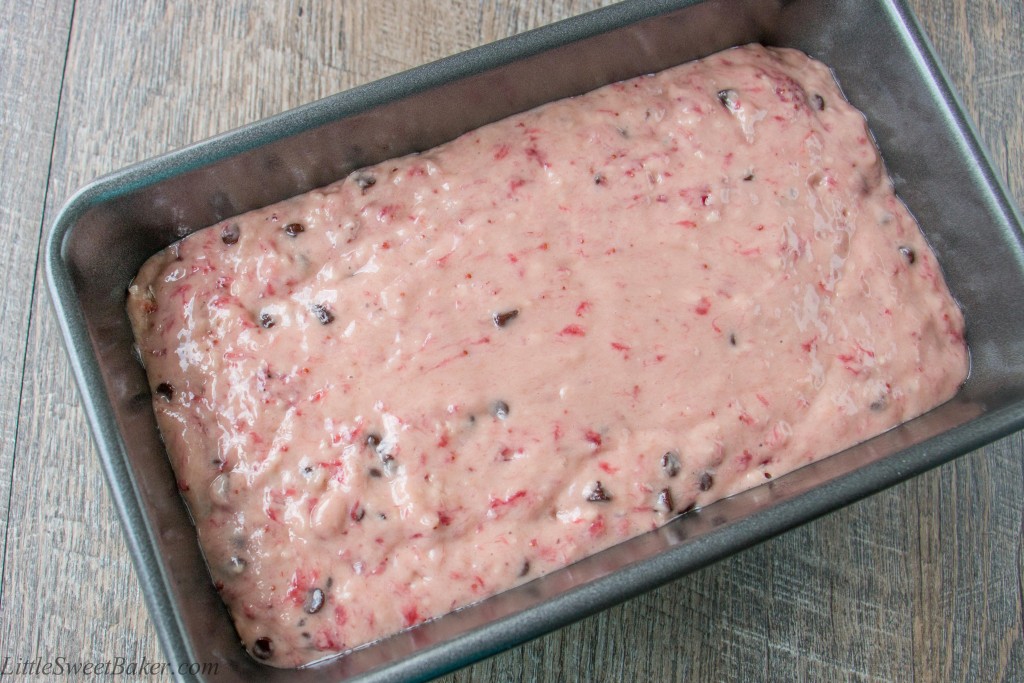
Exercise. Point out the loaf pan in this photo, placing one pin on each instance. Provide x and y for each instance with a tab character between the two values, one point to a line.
884	65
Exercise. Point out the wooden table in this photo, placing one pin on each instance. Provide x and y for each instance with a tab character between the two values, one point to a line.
921	582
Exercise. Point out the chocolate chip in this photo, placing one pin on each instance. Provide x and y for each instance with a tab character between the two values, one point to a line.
373	440
598	494
365	181
525	569
909	254
314	601
263	648
505	317
729	100
500	410
266	321
706	481
665	502
229	234
818	102
670	463
732	339
166	390
323	314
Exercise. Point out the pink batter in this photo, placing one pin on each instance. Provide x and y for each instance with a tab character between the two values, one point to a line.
453	372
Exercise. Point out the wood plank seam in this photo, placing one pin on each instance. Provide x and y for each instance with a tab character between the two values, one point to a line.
43	219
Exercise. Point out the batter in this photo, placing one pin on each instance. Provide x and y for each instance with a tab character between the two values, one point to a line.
450	373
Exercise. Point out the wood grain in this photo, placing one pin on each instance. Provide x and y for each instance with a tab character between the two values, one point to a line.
33	44
967	540
922	582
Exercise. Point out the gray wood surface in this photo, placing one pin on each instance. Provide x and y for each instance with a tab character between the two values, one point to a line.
921	582
31	64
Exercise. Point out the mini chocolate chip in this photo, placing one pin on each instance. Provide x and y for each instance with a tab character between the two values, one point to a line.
878	404
323	314
358	513
229	234
706	481
263	648
665	501
909	254
525	569
314	601
818	102
364	181
307	470
375	473
505	317
293	229
500	410
382	516
670	463
729	100
748	177
732	339
266	321
374	441
599	179
166	390
330	582
598	494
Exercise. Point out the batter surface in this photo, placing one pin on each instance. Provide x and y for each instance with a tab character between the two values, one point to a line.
453	372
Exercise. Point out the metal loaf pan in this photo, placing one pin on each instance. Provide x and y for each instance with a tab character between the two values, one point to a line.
886	68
